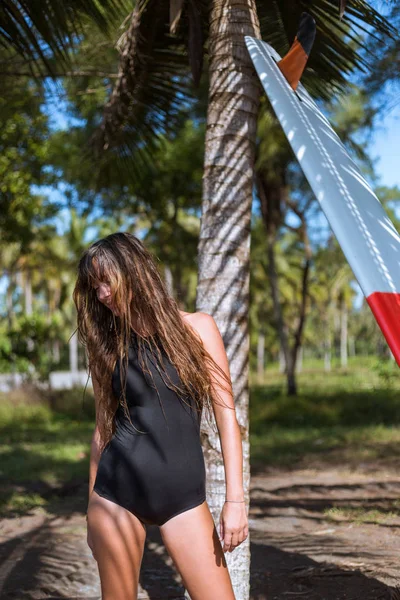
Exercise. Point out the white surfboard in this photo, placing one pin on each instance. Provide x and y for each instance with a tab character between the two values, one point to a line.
364	231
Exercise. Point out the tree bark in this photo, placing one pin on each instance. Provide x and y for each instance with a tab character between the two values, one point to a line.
260	357
224	243
299	362
27	287
73	354
169	279
282	361
352	346
28	292
343	333
328	350
9	299
298	336
56	351
270	203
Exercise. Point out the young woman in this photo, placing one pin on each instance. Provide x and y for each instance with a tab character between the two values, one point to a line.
154	369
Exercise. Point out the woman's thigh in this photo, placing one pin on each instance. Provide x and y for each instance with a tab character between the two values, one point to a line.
192	541
118	539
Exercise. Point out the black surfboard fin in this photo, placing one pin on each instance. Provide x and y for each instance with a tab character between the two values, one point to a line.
293	63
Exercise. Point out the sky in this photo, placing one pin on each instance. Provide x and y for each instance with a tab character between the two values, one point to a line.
386	147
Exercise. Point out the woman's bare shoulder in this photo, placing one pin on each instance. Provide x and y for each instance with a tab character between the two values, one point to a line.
195	317
202	322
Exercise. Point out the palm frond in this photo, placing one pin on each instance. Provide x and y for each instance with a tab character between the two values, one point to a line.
336	52
154	81
384	79
154	76
175	12
40	31
195	40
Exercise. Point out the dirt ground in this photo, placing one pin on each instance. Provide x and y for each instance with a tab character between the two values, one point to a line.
315	534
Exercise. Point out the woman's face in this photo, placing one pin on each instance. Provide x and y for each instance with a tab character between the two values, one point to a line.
103	292
104	295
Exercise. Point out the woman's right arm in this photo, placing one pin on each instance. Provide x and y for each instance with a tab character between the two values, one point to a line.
95	450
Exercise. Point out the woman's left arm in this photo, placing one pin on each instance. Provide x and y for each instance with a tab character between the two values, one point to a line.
233	520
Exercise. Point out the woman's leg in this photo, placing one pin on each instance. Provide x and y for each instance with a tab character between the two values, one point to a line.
118	539
192	541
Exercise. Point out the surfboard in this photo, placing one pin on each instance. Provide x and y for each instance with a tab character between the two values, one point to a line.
367	236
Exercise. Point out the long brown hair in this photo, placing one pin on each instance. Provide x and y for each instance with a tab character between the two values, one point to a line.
138	291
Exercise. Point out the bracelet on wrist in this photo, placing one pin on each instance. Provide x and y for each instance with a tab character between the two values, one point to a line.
235	500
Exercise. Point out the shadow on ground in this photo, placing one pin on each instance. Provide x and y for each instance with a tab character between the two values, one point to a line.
46	556
276	574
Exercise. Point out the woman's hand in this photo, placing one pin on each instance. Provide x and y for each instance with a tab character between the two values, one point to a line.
233	525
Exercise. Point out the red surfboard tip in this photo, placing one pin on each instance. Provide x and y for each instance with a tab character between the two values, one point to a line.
386	309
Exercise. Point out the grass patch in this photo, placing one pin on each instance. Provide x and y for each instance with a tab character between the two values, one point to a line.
41	449
337	417
358	515
339	445
19	504
342	418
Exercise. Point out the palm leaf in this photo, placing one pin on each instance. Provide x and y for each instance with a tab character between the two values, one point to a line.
384	79
153	63
175	12
336	51
39	31
154	81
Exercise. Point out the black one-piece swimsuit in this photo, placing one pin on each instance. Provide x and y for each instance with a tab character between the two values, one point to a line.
160	473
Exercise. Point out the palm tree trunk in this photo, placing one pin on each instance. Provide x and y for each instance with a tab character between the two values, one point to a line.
9	299
328	351
291	377
298	335
28	292
73	354
282	361
343	333
56	351
178	260
169	279
30	344
274	284
224	243
260	357
299	363
352	346
270	202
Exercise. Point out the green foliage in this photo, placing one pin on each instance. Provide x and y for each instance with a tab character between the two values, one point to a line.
41	448
382	82
388	373
339	418
76	403
42	31
165	205
23	153
337	50
26	345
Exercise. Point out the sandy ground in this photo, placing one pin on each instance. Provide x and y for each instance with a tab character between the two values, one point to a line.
302	546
